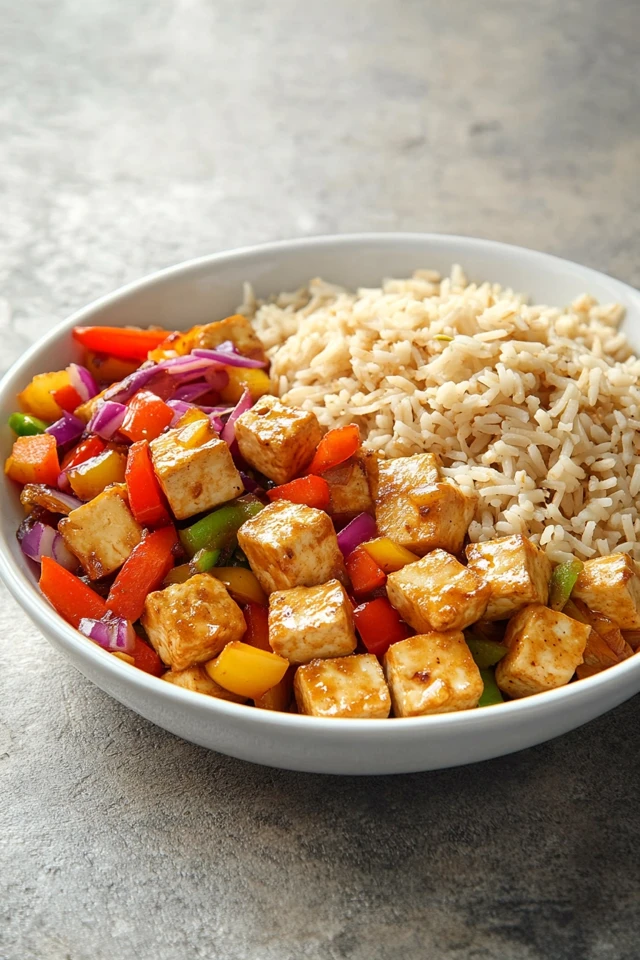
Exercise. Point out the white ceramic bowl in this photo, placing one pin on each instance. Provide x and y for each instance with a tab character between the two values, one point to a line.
210	288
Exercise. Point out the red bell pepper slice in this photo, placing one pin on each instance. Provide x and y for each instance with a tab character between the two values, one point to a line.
145	658
379	625
257	619
128	343
312	491
335	447
146	417
145	496
68	398
91	447
71	597
364	572
143	571
34	460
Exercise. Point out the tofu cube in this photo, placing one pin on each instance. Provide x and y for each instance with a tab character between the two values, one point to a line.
189	623
432	673
545	647
349	489
611	586
351	687
198	680
194	478
237	329
438	593
291	545
307	623
415	509
517	571
102	533
277	440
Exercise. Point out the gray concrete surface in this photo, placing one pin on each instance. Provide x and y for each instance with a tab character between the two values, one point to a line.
136	134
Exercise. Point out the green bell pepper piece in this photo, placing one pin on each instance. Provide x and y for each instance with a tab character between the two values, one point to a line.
486	653
204	560
218	529
491	693
24	425
563	580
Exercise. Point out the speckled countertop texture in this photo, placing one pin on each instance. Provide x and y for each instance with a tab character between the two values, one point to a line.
137	134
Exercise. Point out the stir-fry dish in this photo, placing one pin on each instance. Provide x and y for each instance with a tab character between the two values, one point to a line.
197	527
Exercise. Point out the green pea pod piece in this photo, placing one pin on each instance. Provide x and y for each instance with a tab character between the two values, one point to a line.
486	653
563	580
491	693
204	560
219	528
24	425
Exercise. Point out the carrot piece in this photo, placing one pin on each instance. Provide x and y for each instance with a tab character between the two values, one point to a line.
364	572
127	343
335	447
143	571
72	598
34	460
312	491
145	496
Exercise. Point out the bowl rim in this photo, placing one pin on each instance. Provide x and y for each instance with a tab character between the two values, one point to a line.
45	617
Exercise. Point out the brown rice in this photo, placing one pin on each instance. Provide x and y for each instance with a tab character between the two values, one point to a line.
536	408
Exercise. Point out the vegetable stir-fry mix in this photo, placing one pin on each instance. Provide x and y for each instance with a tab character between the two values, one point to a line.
191	524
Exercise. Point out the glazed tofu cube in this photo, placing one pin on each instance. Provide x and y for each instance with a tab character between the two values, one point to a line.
277	440
198	680
517	571
290	545
194	477
438	593
237	329
102	533
349	489
308	623
545	647
352	687
415	509
189	623
611	586
432	673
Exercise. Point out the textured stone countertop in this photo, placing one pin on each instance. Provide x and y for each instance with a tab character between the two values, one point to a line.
137	134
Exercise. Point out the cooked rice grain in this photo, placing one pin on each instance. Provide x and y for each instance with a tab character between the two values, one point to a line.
536	408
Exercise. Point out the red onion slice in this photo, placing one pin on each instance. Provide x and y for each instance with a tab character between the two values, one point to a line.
66	429
361	529
244	403
191	391
82	381
107	419
123	391
229	358
43	541
114	634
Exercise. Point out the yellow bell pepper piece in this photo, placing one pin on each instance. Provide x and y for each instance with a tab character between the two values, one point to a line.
109	369
388	555
256	380
90	478
37	396
191	416
178	574
196	433
247	671
241	583
176	345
